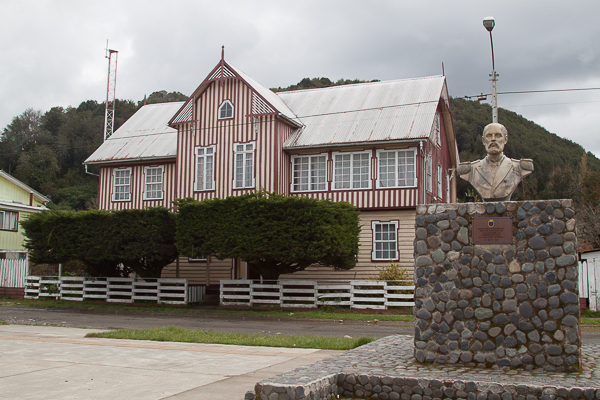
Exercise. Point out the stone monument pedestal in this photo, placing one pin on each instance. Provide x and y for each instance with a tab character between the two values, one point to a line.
496	285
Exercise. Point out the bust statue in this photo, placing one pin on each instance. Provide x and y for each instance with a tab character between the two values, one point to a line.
496	176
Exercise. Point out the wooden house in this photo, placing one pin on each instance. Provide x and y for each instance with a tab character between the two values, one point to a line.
17	202
382	146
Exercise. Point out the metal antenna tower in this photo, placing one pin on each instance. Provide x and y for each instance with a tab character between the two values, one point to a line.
109	112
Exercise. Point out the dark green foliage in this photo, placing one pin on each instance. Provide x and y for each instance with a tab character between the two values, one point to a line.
273	233
308	83
145	239
141	240
163	97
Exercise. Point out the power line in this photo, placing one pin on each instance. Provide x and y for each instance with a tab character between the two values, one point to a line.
534	91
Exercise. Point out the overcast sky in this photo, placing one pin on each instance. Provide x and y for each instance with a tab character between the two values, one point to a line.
52	52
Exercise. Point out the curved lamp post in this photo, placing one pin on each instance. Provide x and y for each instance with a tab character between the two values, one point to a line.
489	23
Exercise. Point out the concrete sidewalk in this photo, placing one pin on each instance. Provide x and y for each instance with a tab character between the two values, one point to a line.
60	363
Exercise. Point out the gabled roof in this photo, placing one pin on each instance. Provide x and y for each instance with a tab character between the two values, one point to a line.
224	70
144	136
376	112
367	112
23	186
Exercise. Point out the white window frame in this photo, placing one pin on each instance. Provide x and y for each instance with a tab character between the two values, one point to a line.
315	180
115	185
440	192
205	156
247	157
349	180
429	173
395	170
225	104
158	182
384	240
9	221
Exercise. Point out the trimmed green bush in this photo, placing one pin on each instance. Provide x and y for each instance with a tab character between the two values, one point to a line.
142	240
273	233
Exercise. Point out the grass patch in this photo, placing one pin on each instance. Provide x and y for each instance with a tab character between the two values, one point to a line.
153	308
175	334
590	321
3	322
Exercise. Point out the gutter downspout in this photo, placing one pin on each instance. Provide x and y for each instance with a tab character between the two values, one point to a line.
90	173
423	171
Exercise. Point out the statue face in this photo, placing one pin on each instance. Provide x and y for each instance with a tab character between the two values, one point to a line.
494	139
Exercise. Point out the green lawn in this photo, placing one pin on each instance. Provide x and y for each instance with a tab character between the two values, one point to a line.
175	334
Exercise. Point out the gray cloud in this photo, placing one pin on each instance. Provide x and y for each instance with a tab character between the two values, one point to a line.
53	51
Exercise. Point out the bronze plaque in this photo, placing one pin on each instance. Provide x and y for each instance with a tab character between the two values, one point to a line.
492	230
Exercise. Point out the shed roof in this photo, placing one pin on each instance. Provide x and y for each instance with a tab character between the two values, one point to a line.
367	112
144	136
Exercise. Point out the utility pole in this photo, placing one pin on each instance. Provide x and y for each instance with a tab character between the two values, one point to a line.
109	112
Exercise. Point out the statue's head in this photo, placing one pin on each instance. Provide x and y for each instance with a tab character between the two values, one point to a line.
494	138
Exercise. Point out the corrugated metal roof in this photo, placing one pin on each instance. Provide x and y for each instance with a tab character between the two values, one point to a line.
373	112
267	94
145	135
367	112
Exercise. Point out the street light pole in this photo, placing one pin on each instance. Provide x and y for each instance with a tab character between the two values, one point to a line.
489	23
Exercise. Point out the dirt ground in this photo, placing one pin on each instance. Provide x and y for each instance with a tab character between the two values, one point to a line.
74	318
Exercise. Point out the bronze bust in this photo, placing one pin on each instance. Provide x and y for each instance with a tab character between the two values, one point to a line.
495	177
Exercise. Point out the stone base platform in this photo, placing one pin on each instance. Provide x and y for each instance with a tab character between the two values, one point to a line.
386	369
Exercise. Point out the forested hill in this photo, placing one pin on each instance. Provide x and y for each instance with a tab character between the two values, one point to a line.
46	150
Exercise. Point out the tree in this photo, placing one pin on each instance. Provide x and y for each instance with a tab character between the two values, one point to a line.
145	240
162	96
142	240
21	135
273	233
37	166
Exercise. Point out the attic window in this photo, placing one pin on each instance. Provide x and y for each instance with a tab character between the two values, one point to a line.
226	110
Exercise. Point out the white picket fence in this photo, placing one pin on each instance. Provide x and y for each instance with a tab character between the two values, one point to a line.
380	295
589	282
13	272
116	290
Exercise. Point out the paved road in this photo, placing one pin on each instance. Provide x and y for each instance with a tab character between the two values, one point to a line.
54	363
74	318
41	356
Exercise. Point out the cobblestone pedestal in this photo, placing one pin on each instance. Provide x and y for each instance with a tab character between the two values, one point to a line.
512	305
386	369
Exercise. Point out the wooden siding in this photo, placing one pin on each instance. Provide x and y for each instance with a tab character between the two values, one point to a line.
10	191
440	156
136	188
365	267
265	130
196	271
11	240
